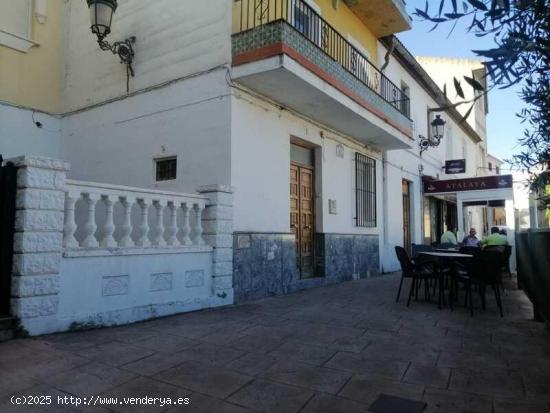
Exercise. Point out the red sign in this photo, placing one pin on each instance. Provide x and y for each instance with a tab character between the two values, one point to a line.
468	184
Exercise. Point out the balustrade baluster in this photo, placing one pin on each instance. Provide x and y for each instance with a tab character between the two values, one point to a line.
108	240
173	228
70	227
143	240
126	240
197	230
186	228
90	227
159	229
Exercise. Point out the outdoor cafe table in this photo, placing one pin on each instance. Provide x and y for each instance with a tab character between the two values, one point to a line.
447	255
442	259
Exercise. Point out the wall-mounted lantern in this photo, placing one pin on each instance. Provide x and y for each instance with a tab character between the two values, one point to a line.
101	17
438	131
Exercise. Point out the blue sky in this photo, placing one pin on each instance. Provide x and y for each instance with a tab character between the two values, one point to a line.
503	127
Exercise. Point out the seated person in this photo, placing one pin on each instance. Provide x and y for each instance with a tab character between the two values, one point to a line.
495	239
471	240
449	237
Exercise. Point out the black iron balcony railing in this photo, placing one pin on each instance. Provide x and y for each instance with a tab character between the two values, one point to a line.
304	19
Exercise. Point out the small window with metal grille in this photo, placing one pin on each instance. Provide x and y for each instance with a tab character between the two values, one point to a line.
166	169
365	191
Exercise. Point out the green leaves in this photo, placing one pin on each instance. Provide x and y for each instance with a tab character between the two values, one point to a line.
478	5
520	55
423	14
458	88
474	83
454	15
468	113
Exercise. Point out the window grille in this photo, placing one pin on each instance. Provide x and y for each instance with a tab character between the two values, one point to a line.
365	191
166	169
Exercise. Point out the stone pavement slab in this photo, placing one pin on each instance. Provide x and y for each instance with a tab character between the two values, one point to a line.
445	401
252	364
324	403
331	349
204	378
360	364
91	379
144	387
491	382
366	389
428	374
265	396
300	374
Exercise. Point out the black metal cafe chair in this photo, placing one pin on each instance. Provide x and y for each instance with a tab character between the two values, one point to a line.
469	250
416	272
418	248
485	269
446	245
420	259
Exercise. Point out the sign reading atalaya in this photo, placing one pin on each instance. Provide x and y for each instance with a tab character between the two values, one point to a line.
468	184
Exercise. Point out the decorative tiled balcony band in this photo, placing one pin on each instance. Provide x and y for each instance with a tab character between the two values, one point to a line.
256	29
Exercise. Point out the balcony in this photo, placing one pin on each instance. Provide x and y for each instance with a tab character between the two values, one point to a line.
284	50
383	17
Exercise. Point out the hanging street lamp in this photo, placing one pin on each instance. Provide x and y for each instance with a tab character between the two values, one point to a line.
438	132
101	17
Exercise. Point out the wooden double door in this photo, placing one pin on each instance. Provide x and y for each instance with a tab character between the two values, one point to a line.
302	216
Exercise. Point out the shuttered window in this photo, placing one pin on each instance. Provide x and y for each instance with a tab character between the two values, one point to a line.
365	191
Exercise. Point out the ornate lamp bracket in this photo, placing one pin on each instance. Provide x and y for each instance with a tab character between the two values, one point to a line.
123	49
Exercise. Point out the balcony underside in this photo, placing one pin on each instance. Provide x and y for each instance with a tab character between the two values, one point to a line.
319	88
383	17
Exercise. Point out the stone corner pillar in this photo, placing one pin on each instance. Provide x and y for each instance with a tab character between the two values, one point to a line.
38	240
217	222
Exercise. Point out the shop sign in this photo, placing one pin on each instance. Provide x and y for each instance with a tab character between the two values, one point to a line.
455	166
468	184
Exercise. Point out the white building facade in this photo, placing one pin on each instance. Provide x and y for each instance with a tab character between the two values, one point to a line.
251	156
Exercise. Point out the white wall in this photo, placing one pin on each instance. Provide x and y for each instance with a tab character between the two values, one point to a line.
20	136
116	142
443	69
174	39
110	290
339	184
260	168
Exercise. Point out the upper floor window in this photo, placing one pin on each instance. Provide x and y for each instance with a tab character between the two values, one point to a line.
16	24
497	170
490	166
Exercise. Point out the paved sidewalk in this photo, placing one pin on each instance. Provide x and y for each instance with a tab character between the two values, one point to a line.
332	349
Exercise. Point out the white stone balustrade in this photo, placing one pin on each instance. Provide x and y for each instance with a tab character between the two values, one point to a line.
159	218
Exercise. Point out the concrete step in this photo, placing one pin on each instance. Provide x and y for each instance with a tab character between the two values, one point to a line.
6	328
